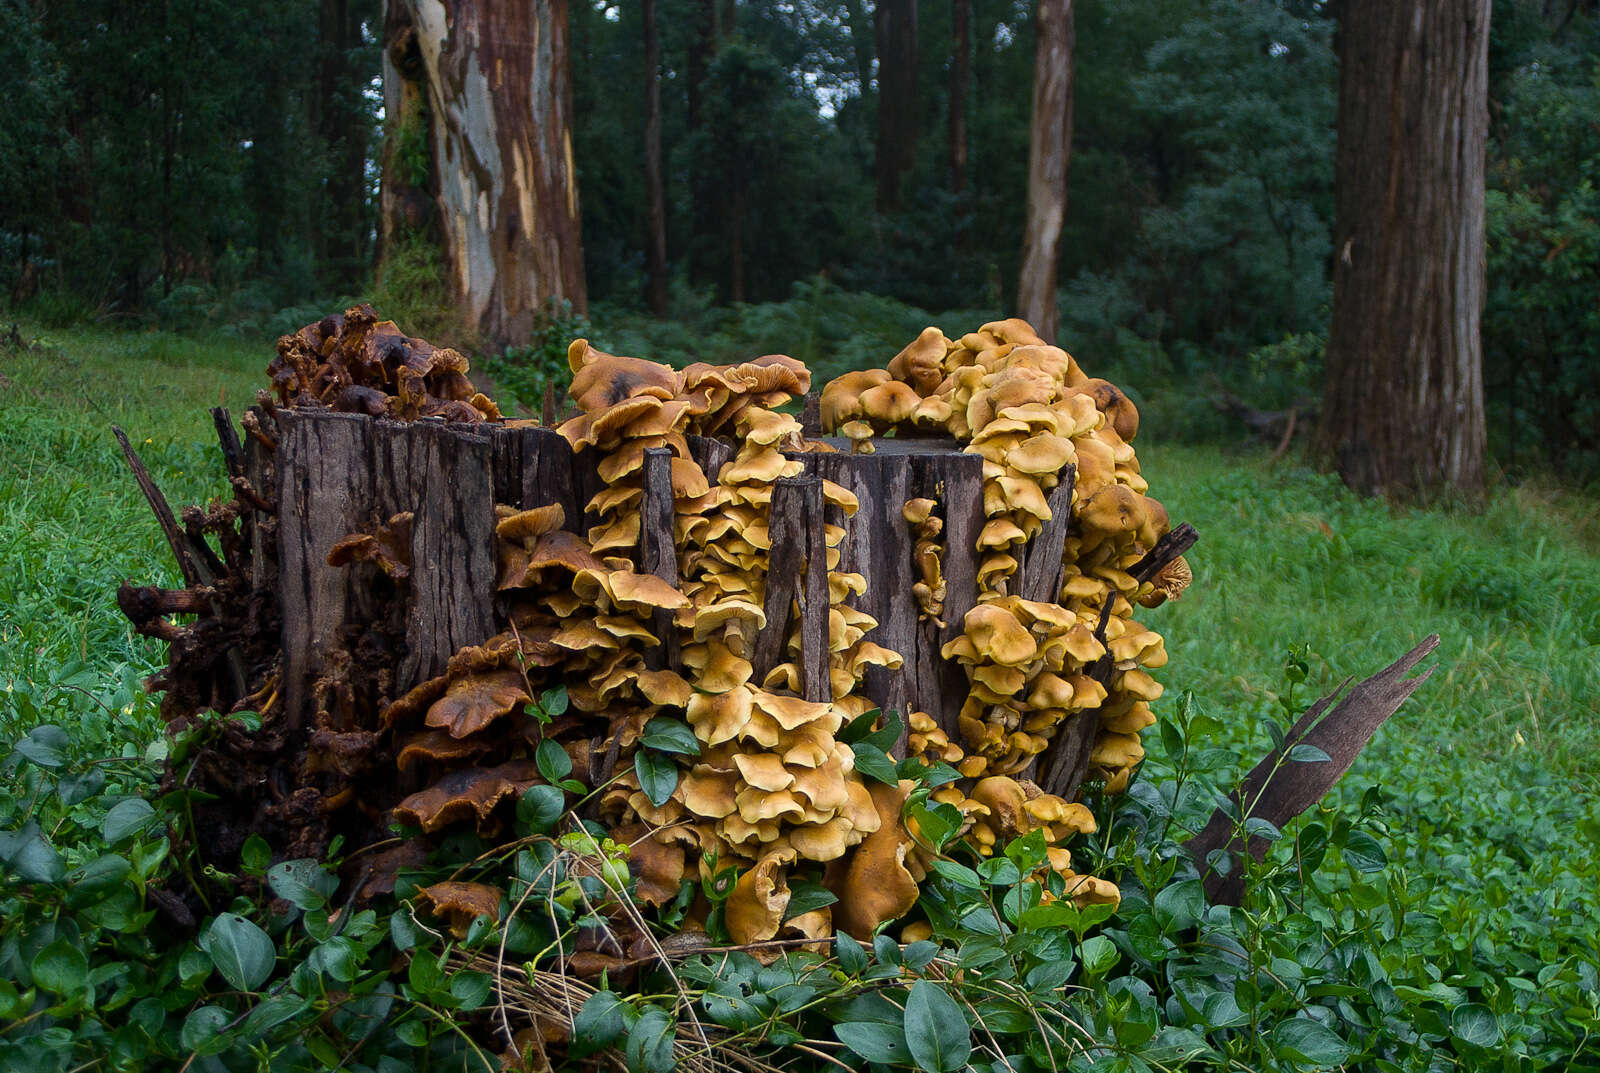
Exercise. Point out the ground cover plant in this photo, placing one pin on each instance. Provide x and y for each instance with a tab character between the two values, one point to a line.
1436	915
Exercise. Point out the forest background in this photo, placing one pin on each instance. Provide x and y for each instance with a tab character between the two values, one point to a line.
210	166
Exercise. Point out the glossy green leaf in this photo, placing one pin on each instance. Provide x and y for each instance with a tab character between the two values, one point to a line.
1475	1024
936	1030
1306	1042
552	760
670	735
658	775
239	950
127	819
61	968
874	1041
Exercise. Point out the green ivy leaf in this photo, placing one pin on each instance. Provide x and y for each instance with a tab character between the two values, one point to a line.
45	745
936	1030
552	760
1475	1024
1180	905
1308	754
256	855
1306	1042
859	727
874	763
670	735
470	989
658	775
126	819
649	1046
28	855
61	968
1362	852
852	955
1098	955
202	1030
553	702
886	950
539	808
920	954
805	897
885	1044
602	1022
303	883
239	950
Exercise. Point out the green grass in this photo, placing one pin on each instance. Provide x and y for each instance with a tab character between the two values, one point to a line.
1488	773
75	524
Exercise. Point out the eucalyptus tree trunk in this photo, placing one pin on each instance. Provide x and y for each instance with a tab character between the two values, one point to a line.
1049	156
1402	409
898	106
960	71
498	90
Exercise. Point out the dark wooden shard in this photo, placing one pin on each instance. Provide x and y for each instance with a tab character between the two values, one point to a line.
1283	784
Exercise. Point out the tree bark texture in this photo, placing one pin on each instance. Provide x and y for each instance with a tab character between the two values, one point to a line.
960	76
499	93
1049	157
896	32
1402	407
655	186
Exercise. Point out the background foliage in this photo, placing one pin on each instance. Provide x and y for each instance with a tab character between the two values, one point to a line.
144	178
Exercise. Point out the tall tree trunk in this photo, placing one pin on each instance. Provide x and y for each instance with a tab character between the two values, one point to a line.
896	31
1049	156
655	187
499	91
1402	409
960	71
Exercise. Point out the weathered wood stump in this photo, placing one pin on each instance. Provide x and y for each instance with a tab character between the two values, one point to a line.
340	473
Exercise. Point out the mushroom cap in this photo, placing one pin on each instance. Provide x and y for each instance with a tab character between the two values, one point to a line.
997	635
876	886
1116	508
1109	399
467	793
840	401
1043	452
921	363
473	702
719	717
461	903
889	403
1004	798
600	380
754	910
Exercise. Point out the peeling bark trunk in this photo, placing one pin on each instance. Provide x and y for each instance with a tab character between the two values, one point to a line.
896	27
499	94
1402	408
654	185
1049	157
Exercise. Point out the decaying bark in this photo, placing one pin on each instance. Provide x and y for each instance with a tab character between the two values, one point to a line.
1282	786
498	88
1049	156
1402	411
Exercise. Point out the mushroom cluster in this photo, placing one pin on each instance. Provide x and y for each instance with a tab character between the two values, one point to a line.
772	793
355	363
772	787
1031	413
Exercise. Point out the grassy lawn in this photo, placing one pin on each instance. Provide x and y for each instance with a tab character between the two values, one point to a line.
1489	774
